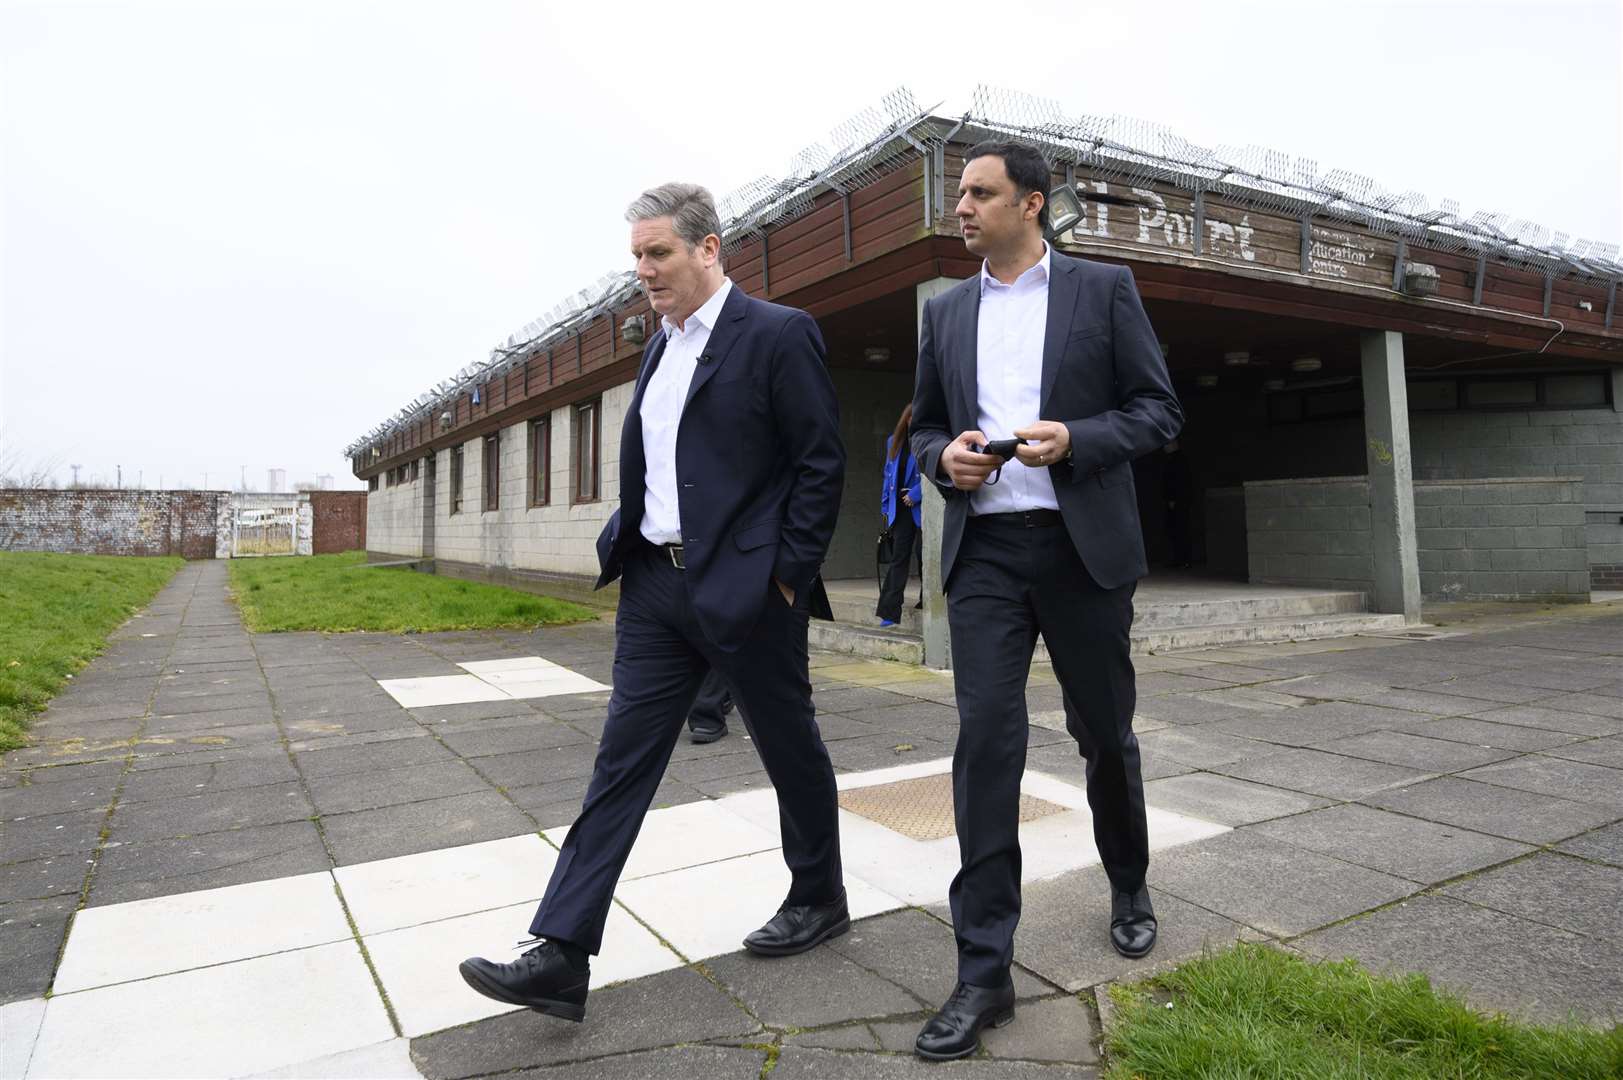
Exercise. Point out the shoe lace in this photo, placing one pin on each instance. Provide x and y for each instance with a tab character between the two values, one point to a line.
532	950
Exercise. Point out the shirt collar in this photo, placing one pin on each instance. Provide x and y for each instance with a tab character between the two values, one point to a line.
1037	273
706	316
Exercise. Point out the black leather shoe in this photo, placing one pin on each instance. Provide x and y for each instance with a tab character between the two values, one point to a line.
796	929
542	979
707	733
1132	923
955	1031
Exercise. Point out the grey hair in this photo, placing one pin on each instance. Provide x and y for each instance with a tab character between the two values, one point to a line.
689	206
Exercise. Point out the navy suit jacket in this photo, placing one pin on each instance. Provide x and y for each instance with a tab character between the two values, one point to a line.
1103	376
759	467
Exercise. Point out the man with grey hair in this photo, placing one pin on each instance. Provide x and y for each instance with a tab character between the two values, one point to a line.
731	467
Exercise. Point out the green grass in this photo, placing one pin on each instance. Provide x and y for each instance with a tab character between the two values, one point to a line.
55	614
339	593
1257	1011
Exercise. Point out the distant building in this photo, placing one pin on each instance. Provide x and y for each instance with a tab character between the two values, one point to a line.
276	480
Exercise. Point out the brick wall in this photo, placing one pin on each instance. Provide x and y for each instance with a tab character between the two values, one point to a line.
338	521
185	523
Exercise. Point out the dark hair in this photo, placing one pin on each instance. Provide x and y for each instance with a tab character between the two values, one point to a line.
1024	164
898	438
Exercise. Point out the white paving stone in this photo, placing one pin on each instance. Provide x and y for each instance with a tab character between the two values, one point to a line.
418	965
391	893
707	910
441	690
573	683
19	1029
687	835
512	663
142	938
230	1020
382	1061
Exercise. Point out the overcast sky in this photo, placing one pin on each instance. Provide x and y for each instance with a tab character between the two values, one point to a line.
241	234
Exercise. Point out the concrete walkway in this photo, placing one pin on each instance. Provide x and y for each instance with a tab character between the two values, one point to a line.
1452	805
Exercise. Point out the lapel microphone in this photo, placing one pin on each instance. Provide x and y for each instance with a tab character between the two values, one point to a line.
705	358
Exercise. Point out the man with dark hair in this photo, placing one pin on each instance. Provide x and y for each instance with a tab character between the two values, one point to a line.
1057	354
731	468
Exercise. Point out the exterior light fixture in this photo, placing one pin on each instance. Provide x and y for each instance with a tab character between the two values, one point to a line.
634	330
876	354
1419	279
1064	209
445	420
1236	359
1306	364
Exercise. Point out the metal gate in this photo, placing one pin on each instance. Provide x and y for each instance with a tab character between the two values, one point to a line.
264	530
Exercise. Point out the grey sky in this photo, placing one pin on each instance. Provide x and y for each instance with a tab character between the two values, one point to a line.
244	233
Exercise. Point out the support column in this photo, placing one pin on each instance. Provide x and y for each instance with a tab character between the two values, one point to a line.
937	642
1391	475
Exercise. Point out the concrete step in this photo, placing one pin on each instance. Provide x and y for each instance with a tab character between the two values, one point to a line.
895	644
1218	611
1150	613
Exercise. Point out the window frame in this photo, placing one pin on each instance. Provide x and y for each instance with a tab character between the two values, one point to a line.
490	476
594	455
456	478
539	461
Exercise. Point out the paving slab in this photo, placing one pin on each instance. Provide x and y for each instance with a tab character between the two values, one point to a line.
1275	887
1578	780
917	951
1606	751
1490	808
1416	752
527	767
858	1036
1224	799
371	755
37	879
1554	890
203	778
1316	772
1201	748
1486	733
802	1063
37	800
1549	719
389	1060
164	867
32	838
348	792
1603	845
31	935
1059	1029
19	1031
1064	931
1408	847
422	826
217	811
670	1063
1591	704
809	990
1313	725
1498	961
674	1007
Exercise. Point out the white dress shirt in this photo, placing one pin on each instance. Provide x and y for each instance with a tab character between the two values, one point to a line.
661	413
1009	383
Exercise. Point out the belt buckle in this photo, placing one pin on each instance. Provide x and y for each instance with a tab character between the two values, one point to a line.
675	552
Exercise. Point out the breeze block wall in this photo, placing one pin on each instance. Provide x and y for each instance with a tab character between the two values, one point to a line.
112	522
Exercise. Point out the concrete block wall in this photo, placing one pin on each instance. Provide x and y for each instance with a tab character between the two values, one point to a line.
870	402
394	517
559	538
1310	532
1583	443
1502	538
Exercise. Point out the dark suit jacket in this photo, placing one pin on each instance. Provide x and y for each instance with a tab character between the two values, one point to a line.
759	464
1103	376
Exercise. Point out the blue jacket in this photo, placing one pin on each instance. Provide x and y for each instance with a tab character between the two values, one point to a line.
910	477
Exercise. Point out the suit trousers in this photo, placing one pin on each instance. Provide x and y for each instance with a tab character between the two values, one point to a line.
1013	581
893	590
712	703
660	658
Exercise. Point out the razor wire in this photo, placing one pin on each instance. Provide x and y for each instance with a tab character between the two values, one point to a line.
1113	148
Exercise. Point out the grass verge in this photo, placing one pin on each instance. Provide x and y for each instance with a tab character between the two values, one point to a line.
55	614
1253	1010
340	593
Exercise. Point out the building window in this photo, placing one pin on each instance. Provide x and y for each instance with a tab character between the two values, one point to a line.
412	471
456	479
492	470
540	461
588	445
371	483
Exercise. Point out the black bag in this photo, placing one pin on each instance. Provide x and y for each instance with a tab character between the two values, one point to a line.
884	552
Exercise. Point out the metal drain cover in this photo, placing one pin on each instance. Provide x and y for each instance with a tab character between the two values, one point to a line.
921	809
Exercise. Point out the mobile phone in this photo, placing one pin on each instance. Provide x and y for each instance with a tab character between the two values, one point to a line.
1003	448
